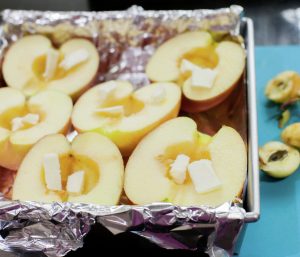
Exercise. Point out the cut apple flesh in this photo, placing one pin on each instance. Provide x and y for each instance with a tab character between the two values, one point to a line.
205	57
163	66
230	68
37	116
226	59
32	64
123	115
145	184
94	155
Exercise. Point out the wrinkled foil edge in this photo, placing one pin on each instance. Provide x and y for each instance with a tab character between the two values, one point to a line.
55	229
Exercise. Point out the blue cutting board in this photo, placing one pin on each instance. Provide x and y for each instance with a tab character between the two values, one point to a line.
277	233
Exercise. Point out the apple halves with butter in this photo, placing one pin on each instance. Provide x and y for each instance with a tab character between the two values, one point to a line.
88	170
24	121
207	71
176	163
32	64
115	110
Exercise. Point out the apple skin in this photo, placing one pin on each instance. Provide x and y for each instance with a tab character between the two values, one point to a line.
72	84
107	178
11	155
165	65
193	106
126	139
226	150
108	158
77	94
13	151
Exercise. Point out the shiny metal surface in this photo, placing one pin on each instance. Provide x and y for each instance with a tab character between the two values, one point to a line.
253	197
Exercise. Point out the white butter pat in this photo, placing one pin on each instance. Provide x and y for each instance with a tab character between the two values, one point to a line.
187	66
200	77
203	176
107	90
52	171
203	77
117	110
179	167
31	118
18	122
158	95
75	182
74	58
51	64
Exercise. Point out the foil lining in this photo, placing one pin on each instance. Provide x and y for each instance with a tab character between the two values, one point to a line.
125	40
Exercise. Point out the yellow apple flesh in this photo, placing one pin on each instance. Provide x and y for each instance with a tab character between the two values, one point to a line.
25	62
230	69
141	114
163	66
226	58
53	118
145	184
96	155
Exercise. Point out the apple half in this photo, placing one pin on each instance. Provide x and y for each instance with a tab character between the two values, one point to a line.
226	59
32	64
124	115
94	154
147	173
52	110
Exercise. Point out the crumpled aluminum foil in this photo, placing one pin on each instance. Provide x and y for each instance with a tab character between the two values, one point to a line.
125	40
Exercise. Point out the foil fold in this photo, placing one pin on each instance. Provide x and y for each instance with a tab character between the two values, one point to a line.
125	40
55	229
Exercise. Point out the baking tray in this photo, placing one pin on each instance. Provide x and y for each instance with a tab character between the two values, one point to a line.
252	194
251	197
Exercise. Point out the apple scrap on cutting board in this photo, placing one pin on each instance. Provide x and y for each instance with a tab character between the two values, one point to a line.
281	159
180	139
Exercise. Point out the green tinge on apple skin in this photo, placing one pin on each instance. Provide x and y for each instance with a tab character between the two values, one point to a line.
203	138
124	140
278	175
278	160
114	135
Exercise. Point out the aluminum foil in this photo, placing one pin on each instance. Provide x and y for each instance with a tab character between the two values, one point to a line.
125	40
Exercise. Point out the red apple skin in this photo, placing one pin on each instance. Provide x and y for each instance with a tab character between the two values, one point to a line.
193	106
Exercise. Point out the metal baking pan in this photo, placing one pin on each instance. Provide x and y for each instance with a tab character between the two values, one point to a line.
121	218
252	194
